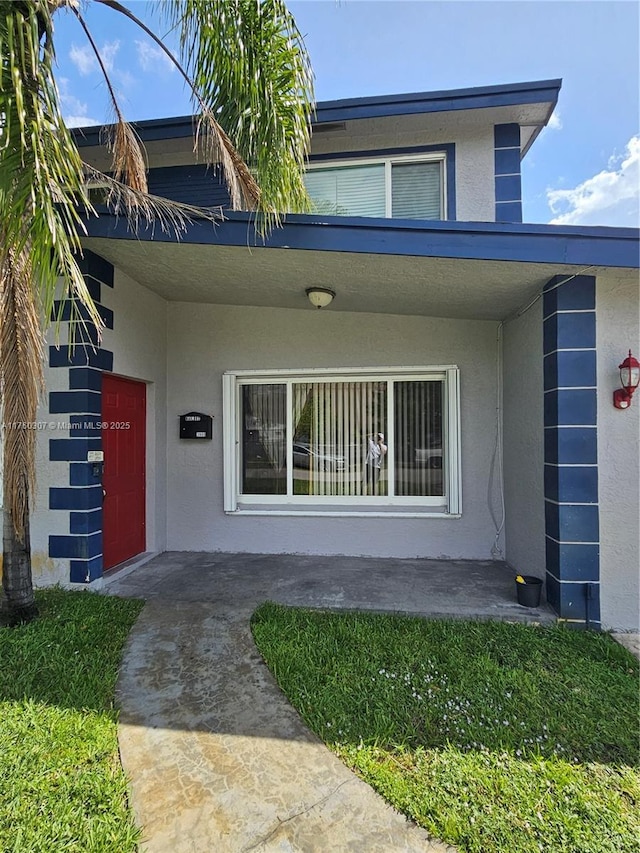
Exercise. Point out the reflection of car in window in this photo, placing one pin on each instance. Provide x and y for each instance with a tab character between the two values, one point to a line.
429	457
305	456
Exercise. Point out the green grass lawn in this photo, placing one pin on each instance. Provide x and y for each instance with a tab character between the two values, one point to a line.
61	784
495	737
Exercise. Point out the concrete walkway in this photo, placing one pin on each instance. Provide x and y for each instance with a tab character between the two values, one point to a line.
218	759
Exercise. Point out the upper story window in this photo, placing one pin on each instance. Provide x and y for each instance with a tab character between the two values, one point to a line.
394	187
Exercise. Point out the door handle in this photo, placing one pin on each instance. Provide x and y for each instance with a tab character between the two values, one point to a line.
104	495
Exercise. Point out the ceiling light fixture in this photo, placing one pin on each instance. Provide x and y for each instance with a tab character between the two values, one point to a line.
320	297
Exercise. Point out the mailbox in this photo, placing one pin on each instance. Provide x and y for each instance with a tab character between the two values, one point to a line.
196	425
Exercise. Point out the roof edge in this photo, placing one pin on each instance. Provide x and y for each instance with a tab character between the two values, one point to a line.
444	100
586	246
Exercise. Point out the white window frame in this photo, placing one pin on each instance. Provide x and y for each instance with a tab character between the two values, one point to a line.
388	162
447	506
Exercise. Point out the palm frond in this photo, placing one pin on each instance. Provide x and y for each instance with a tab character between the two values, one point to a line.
21	368
171	217
216	145
129	162
251	69
41	176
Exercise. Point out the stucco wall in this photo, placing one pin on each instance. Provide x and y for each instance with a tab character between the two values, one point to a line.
618	330
138	343
206	340
523	424
474	169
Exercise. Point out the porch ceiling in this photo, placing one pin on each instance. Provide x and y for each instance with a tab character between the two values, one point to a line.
384	284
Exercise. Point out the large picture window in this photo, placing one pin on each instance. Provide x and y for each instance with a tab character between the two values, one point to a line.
371	441
401	188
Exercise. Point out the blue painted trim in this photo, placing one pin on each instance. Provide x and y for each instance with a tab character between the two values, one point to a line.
571	452
598	246
75	498
76	547
579	562
81	357
572	523
82	474
85	379
506	161
508	189
570	369
569	293
89	402
572	406
569	600
96	267
478	97
94	287
444	100
86	522
63	311
571	445
85	571
506	135
195	184
447	148
571	484
507	185
572	330
82	404
72	449
508	211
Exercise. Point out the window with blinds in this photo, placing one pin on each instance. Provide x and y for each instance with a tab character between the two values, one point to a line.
399	189
386	439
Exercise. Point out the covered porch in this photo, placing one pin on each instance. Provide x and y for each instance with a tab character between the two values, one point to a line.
462	589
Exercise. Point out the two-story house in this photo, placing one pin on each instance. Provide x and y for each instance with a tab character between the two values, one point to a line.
452	399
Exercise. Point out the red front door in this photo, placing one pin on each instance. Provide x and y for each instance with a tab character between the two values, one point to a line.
123	481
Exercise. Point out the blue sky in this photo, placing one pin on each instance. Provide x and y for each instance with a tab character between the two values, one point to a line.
583	169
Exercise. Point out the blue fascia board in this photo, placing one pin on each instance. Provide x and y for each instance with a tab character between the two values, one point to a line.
481	97
446	100
519	242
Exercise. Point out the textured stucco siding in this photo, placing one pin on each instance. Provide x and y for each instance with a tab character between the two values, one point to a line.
474	169
206	340
524	442
618	330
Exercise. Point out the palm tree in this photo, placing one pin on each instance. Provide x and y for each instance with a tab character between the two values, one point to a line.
251	84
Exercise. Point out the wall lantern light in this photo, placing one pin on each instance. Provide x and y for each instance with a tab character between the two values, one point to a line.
320	297
629	379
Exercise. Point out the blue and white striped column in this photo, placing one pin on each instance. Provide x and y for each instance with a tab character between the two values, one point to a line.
571	450
508	183
81	408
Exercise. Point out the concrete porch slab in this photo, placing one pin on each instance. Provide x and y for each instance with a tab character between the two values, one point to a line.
450	588
218	759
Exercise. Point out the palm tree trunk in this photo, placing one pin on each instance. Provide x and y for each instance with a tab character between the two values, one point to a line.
17	603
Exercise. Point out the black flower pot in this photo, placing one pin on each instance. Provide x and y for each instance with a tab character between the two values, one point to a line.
528	593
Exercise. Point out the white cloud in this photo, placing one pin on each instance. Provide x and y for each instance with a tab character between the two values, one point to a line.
152	58
612	197
125	79
79	121
74	111
85	59
555	122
